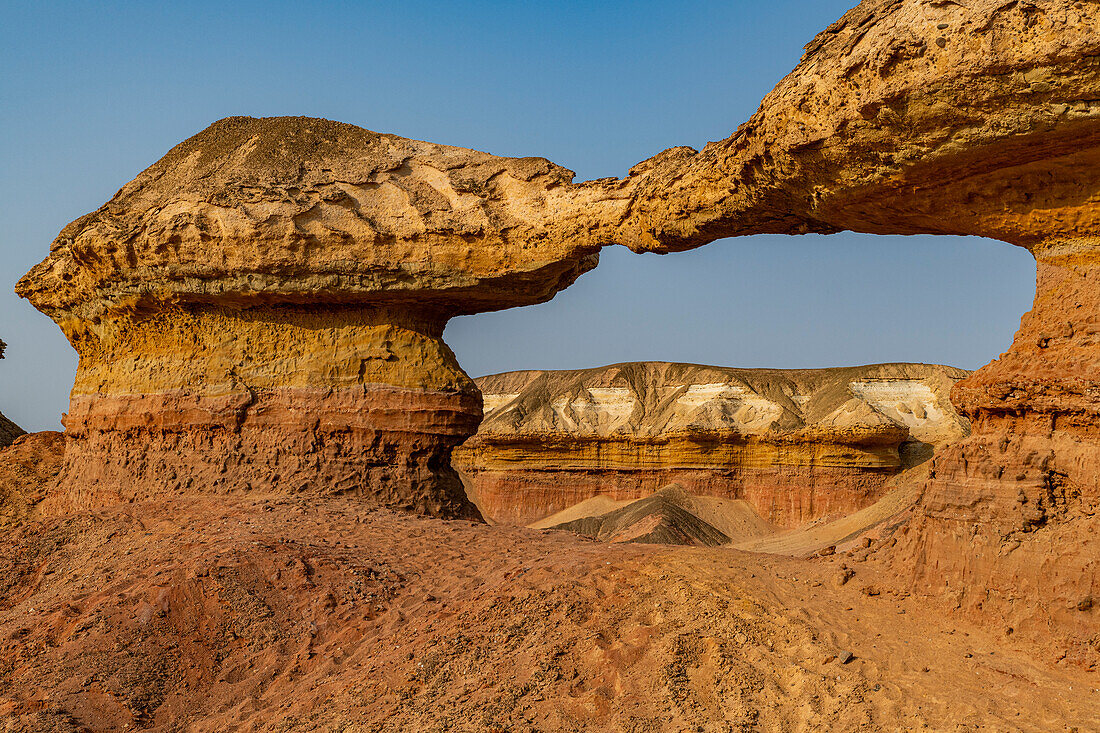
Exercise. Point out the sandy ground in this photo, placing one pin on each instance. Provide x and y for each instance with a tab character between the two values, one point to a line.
216	614
842	532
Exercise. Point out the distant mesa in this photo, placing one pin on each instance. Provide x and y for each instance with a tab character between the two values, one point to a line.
797	445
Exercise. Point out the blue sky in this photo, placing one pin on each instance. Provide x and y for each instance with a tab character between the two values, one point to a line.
95	92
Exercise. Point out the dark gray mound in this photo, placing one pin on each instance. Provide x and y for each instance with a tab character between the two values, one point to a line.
662	518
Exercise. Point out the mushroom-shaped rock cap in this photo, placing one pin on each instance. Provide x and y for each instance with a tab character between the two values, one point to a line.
298	209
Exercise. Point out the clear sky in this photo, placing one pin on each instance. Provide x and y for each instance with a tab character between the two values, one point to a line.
92	93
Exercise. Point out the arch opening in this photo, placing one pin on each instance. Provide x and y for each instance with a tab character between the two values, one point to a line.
566	436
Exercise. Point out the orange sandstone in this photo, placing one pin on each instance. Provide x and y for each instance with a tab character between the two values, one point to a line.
978	118
262	309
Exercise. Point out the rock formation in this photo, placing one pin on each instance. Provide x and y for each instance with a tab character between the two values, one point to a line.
658	519
798	444
9	431
979	118
262	309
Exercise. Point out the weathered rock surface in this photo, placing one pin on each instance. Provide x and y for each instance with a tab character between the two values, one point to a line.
979	118
219	613
903	117
798	444
9	431
262	309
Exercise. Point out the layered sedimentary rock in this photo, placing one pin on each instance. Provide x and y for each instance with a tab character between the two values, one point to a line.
262	309
9	431
903	117
264	306
980	118
796	444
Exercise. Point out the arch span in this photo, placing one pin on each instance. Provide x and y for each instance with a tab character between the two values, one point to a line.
281	286
908	117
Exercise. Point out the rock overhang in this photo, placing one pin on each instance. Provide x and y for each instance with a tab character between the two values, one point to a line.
904	117
304	211
263	308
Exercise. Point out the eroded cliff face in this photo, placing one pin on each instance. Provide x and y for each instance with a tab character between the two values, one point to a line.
1008	522
797	444
262	309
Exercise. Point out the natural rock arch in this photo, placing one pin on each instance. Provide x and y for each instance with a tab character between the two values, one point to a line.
304	270
908	117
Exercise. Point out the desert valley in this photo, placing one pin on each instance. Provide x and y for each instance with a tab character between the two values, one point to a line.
280	503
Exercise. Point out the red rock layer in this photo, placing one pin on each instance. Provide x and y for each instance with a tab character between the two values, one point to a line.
388	444
784	495
1008	523
276	400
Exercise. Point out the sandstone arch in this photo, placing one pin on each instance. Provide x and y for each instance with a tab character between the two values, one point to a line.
977	118
340	253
